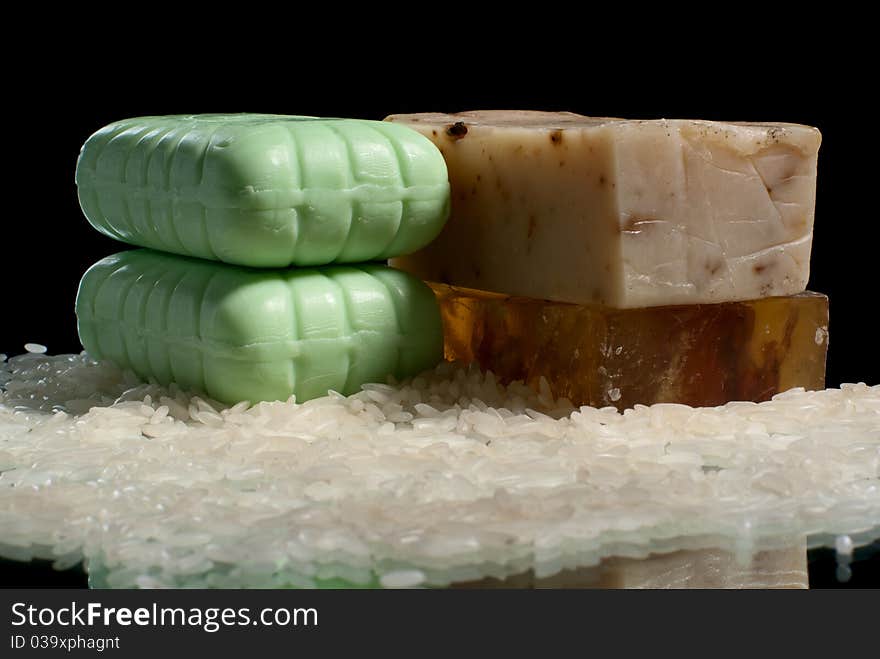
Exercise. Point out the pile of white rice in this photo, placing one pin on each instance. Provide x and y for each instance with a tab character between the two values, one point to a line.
446	478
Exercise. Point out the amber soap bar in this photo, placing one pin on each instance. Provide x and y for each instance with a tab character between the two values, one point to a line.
698	355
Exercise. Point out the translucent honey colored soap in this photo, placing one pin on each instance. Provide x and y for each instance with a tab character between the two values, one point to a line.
698	355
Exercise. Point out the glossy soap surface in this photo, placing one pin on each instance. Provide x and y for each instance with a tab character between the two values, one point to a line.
700	355
238	334
264	190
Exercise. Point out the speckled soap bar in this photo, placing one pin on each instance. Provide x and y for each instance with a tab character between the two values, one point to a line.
554	205
264	190
238	333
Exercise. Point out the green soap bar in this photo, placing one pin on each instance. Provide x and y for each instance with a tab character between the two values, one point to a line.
238	333
265	190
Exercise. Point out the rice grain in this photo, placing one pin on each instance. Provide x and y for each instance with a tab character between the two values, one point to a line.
446	477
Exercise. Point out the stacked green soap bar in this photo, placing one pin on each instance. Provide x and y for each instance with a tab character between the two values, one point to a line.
268	192
246	334
265	190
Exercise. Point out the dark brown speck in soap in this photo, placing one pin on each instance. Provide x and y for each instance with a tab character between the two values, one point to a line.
457	130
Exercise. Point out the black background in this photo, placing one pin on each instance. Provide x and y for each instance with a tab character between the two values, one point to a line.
83	84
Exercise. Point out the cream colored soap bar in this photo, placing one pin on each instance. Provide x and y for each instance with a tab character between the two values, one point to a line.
624	213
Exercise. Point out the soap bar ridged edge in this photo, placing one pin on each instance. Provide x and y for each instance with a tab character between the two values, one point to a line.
164	183
417	340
